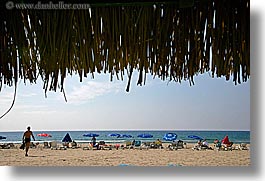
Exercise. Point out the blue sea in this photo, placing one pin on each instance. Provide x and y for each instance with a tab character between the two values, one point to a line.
210	136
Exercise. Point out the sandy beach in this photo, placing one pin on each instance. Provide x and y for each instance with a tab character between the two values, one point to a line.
124	157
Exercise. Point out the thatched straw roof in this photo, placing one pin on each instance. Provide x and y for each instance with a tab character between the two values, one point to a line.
172	41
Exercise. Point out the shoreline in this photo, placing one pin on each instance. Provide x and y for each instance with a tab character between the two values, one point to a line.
111	141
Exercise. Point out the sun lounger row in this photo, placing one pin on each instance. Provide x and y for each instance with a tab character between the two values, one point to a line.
135	144
7	146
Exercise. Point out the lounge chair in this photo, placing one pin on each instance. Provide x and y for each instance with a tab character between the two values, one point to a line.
102	145
118	146
7	146
157	144
128	145
227	147
91	147
32	145
146	145
226	144
137	144
205	146
243	146
73	145
180	144
46	145
217	146
64	146
95	146
173	146
53	145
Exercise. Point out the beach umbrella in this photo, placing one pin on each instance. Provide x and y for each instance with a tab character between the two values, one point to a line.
67	138
91	135
114	135
145	135
170	137
2	137
125	136
226	140
195	137
44	135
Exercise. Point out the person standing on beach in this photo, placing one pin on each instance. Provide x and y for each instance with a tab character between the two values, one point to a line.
26	139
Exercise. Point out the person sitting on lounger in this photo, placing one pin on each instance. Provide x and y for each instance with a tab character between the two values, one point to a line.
157	144
74	144
197	146
205	144
94	141
217	144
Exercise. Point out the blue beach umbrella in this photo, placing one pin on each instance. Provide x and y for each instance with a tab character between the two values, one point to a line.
67	138
125	136
195	137
170	137
114	135
145	135
91	135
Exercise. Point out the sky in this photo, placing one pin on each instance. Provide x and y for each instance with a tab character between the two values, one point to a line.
99	104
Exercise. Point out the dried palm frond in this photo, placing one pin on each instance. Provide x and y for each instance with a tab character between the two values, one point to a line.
168	40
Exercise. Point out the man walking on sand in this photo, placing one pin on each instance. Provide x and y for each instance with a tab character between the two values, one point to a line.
26	139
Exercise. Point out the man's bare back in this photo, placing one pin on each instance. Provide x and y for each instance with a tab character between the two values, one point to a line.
28	134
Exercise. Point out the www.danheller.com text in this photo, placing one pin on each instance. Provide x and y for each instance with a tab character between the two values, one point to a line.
39	5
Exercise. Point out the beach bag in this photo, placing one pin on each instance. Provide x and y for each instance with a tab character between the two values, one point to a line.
22	146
